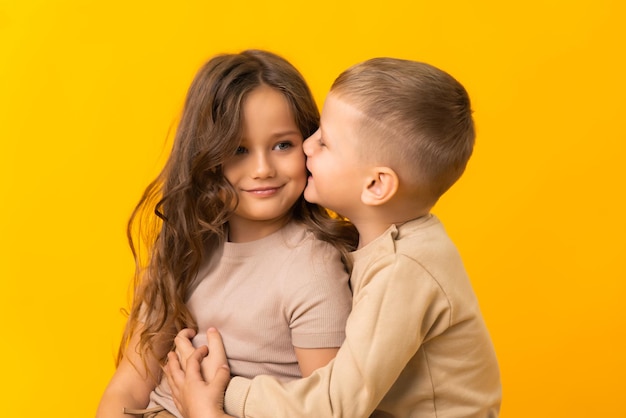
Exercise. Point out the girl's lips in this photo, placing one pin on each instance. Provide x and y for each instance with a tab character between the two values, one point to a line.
264	191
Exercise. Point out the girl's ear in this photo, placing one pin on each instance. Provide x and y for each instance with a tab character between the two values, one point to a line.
381	186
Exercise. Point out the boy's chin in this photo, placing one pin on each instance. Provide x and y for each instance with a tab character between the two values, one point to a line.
310	195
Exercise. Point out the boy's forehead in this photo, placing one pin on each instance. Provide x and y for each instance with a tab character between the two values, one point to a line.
339	112
341	123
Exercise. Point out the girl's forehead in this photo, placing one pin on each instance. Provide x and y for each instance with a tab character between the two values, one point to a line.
267	114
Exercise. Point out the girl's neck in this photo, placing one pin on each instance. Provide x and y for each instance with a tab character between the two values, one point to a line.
242	230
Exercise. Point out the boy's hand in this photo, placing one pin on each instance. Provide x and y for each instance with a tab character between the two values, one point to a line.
196	396
184	349
216	357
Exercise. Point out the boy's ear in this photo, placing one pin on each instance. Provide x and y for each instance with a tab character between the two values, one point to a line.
381	186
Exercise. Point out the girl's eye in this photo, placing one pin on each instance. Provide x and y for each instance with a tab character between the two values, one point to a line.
282	146
241	150
321	142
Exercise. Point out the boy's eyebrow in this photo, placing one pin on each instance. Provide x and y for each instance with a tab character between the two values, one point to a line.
327	139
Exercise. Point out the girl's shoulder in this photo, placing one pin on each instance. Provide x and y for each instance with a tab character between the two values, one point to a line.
310	252
297	234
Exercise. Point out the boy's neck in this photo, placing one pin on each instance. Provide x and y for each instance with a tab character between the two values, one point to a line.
369	232
373	220
370	229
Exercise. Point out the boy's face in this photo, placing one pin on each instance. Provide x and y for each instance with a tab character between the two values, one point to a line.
332	159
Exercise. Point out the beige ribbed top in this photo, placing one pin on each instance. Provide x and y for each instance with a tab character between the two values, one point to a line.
267	296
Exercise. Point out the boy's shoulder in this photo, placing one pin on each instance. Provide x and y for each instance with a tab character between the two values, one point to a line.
424	237
415	238
419	227
418	252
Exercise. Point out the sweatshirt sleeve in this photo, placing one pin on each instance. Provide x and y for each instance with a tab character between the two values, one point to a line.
397	308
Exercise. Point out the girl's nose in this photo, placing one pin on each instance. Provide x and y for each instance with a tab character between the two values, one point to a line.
263	167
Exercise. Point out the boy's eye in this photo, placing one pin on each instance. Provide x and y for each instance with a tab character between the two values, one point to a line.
282	146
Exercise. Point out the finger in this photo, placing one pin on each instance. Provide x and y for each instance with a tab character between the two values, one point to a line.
187	333
217	388
217	354
183	337
172	368
175	377
193	363
184	348
216	345
173	373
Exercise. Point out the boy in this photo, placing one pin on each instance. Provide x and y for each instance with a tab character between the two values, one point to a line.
394	136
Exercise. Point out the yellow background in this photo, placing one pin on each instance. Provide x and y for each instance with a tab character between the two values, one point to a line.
90	90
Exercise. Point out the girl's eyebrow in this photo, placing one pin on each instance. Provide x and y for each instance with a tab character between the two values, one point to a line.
285	133
276	135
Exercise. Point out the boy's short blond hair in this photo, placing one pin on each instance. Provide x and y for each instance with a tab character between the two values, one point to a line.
417	120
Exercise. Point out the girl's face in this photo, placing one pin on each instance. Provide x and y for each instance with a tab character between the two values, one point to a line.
268	171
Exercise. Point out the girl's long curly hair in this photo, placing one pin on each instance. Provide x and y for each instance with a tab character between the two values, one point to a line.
183	213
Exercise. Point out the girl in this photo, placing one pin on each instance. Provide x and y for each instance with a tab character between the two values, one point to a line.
236	246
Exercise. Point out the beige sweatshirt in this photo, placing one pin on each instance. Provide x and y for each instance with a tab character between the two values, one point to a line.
416	344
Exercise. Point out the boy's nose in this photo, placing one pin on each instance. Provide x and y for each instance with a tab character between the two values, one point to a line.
307	145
